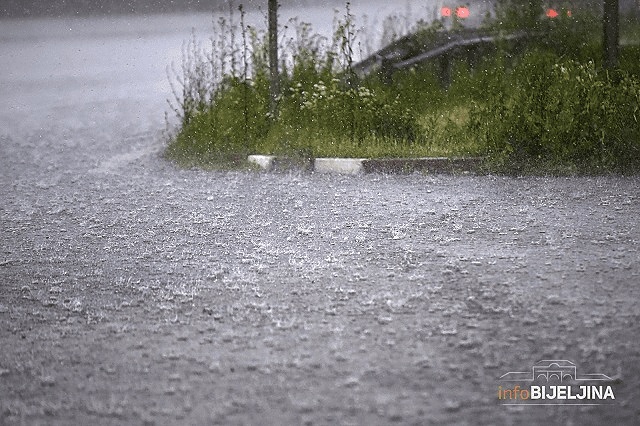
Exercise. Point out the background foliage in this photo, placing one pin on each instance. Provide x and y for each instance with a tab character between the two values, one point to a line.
547	108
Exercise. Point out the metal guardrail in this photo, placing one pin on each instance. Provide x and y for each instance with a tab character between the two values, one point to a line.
396	57
457	43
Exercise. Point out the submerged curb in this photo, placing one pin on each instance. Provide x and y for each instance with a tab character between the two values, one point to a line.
356	166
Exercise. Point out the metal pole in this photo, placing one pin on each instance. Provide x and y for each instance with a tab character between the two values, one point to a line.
273	55
611	34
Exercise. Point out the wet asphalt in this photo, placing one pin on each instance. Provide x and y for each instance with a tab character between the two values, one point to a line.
494	272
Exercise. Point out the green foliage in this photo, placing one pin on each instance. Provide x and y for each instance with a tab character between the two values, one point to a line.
575	32
630	59
336	109
423	35
417	88
513	15
321	98
549	108
577	36
236	121
561	109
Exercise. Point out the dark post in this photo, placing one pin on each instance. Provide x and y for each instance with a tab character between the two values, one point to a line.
611	34
533	14
386	70
445	68
273	54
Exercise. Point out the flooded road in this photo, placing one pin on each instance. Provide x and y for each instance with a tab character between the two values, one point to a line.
133	292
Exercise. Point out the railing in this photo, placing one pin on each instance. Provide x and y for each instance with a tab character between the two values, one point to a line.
400	55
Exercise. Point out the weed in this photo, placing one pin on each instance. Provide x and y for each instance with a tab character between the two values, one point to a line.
560	110
544	106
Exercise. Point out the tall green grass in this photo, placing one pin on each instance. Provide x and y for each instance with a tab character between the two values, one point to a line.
559	113
548	108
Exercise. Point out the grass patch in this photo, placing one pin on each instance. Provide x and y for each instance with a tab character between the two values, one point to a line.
545	109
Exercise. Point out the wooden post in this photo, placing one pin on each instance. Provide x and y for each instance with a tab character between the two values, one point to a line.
611	34
274	88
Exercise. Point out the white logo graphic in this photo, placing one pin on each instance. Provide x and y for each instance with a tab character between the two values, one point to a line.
552	369
555	374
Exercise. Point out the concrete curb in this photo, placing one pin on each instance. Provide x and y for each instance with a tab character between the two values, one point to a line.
274	163
355	166
425	165
352	166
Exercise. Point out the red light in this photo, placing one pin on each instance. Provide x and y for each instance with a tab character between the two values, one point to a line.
569	13
551	13
445	11
462	12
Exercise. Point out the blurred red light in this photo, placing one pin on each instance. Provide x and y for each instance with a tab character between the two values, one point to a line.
462	12
551	13
445	11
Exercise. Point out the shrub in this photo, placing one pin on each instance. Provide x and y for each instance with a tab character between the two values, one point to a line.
234	122
224	103
561	109
549	106
335	109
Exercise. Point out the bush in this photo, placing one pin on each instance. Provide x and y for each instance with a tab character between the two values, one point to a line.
225	110
336	109
566	111
235	121
550	106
